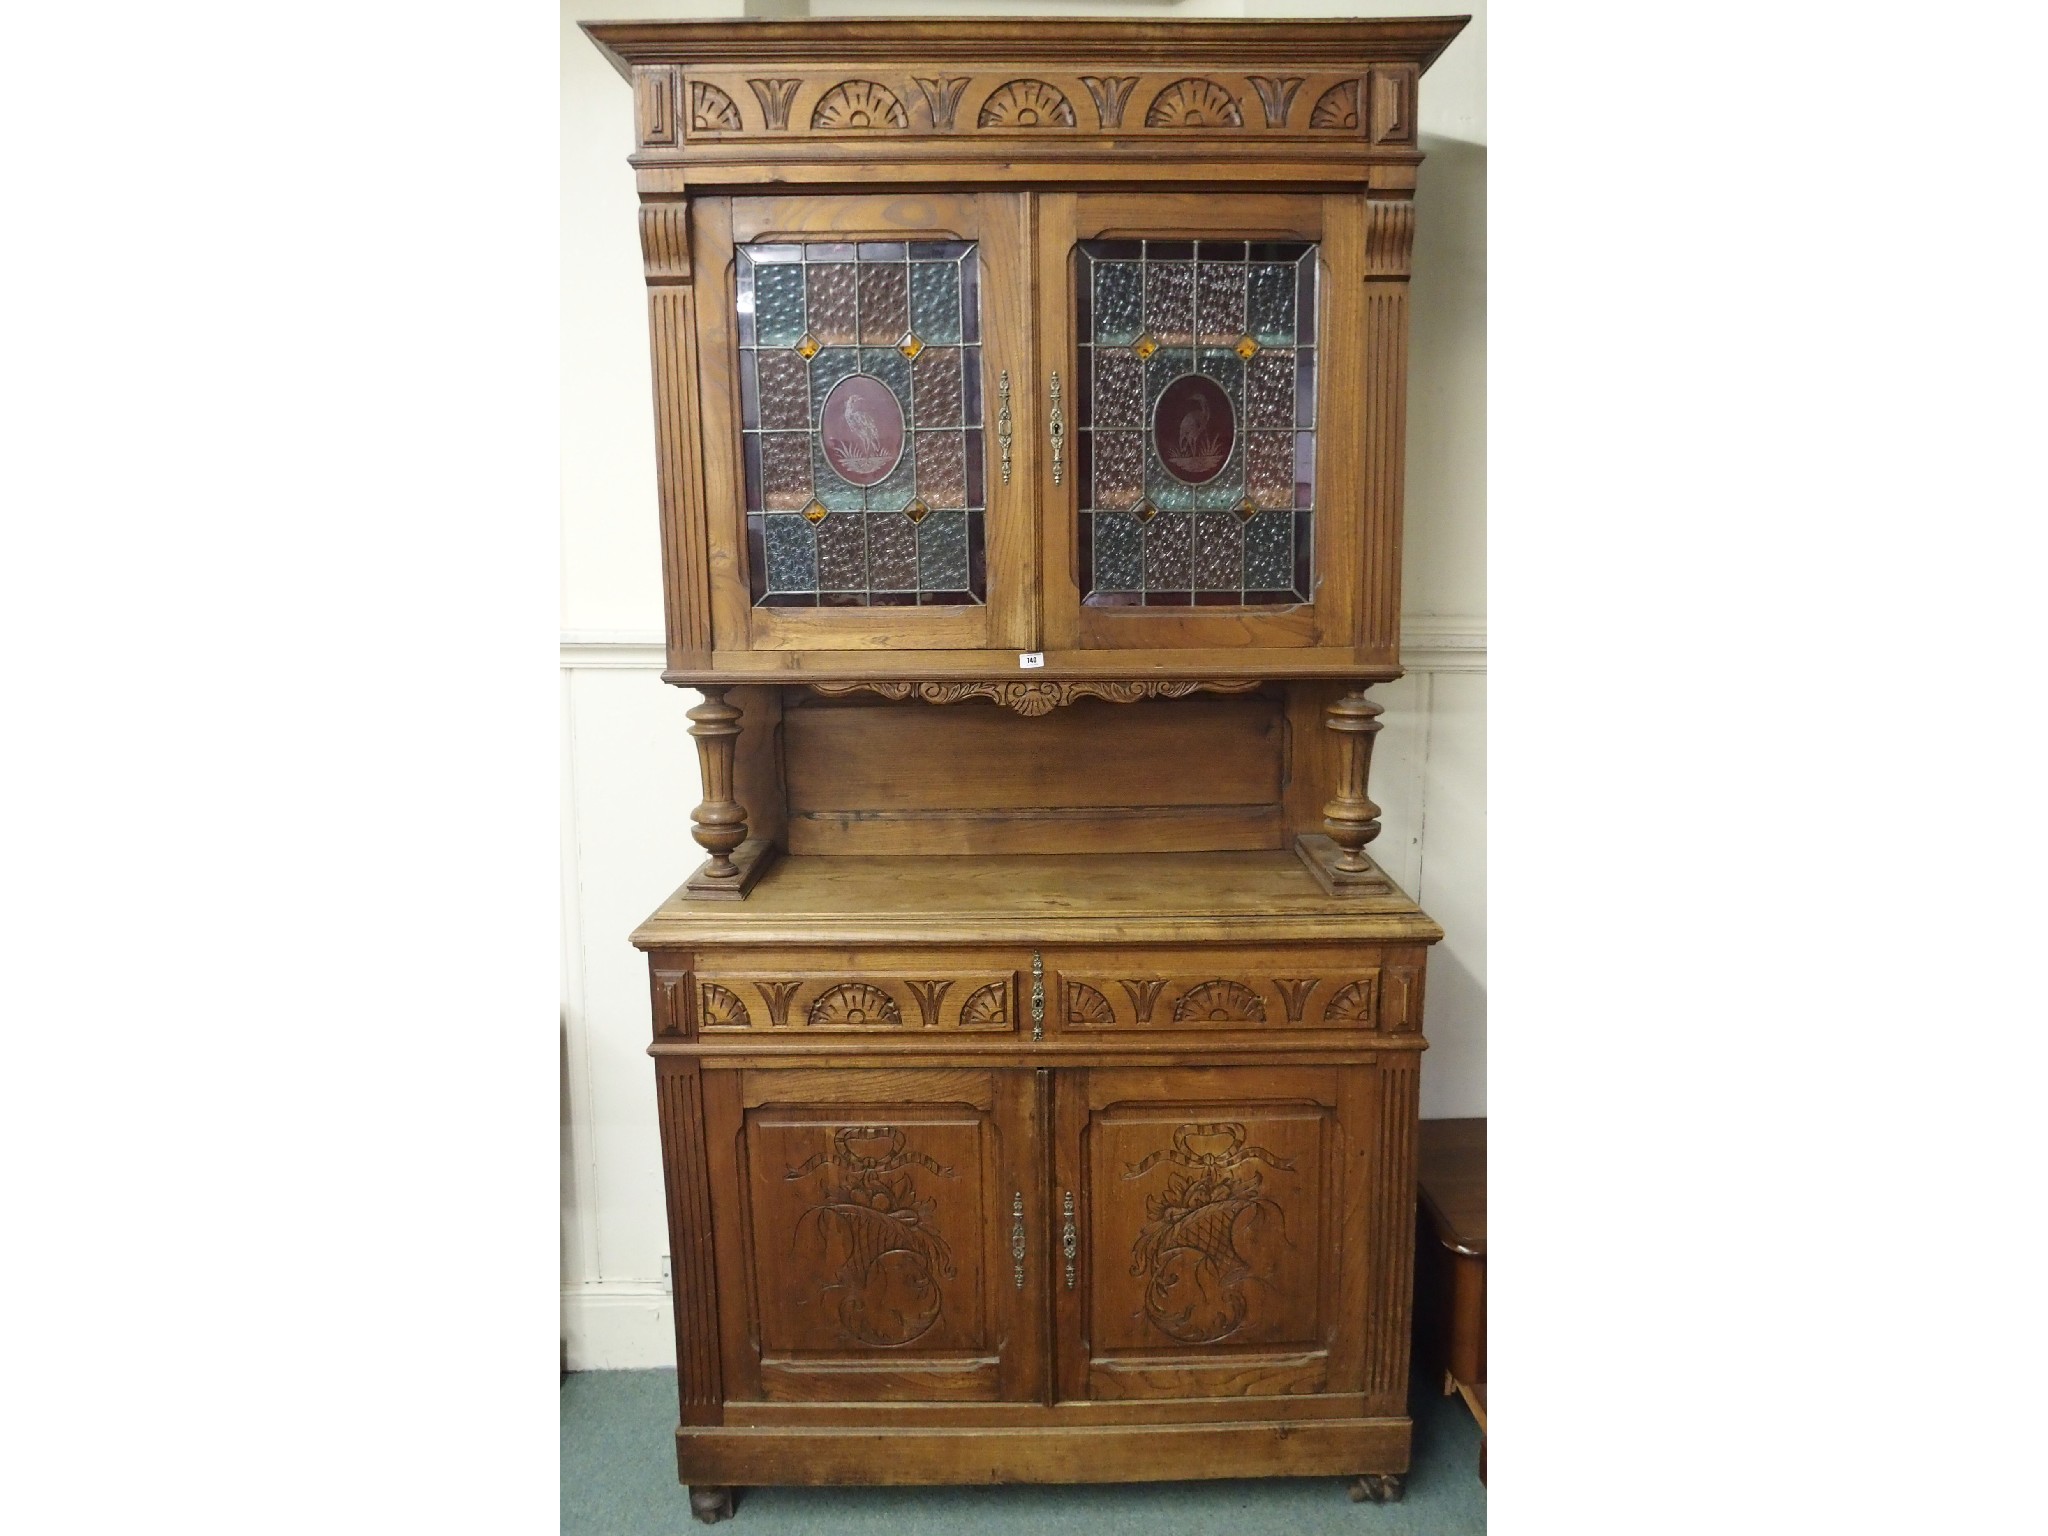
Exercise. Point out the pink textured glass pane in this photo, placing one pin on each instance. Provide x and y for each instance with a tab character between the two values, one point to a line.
1194	428
941	469
935	385
1119	380
830	297
1119	469
1269	388
1270	469
786	470
884	303
1219	303
785	398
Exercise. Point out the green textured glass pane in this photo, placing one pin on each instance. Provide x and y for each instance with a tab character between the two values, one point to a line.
833	489
1119	301
1169	550
893	369
779	305
1219	551
1269	552
1119	382
1269	305
792	554
827	369
935	301
1118	539
890	494
842	554
942	552
892	552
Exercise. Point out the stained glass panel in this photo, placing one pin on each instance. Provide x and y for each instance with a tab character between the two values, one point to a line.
1195	421
860	385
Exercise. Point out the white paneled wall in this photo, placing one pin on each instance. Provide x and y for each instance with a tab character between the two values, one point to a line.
629	774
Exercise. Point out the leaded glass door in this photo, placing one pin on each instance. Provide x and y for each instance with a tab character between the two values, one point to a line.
1209	482
854	365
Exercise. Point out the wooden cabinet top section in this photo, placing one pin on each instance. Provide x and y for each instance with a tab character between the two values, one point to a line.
736	104
1040	899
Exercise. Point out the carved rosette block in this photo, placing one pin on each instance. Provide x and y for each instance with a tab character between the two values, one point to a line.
720	821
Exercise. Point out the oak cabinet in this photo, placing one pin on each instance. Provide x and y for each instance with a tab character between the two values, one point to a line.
1036	1047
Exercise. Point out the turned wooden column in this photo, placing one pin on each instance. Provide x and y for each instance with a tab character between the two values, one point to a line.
720	821
1351	819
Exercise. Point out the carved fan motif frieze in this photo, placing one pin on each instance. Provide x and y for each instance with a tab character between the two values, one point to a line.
987	1007
719	1008
853	1002
1194	103
711	110
1223	1002
1337	107
1354	1003
1027	104
859	104
1085	1005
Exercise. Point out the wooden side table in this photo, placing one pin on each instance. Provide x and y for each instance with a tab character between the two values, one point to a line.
1451	1171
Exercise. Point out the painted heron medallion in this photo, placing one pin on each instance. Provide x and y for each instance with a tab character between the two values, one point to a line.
862	429
1194	427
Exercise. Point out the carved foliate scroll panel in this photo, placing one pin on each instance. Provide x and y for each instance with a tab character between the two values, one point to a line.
714	105
1037	698
839	1001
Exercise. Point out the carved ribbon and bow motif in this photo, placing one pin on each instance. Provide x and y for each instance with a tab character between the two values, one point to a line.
873	1236
1189	1246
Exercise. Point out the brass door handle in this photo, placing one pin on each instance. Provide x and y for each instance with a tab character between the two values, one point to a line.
1003	425
1058	427
1017	1236
1070	1236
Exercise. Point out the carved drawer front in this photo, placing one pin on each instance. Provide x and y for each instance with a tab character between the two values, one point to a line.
842	992
1372	988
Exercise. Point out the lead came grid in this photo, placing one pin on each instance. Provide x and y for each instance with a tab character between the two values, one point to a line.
1243	315
907	315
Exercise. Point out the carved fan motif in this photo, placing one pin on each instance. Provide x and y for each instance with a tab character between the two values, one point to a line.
1354	1002
1027	104
1222	1002
1194	103
1337	107
859	104
1085	1005
711	108
989	1005
854	1002
719	1008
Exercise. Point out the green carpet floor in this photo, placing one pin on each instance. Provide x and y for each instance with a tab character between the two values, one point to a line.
619	1479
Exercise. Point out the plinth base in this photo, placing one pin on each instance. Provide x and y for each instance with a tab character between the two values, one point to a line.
1321	856
753	858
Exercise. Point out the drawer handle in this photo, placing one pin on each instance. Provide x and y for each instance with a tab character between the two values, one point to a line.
1070	1236
1059	431
1003	420
1037	995
1017	1236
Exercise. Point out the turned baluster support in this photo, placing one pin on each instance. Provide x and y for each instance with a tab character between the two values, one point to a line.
1336	856
720	821
1351	819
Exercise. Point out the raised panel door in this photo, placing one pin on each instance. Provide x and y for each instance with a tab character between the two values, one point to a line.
1218	1220
868	1223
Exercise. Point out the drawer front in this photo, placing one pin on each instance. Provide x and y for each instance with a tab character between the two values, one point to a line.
841	992
1374	988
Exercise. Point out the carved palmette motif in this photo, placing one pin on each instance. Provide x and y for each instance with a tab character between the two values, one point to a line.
942	95
775	97
1188	1251
871	1236
1276	95
1111	92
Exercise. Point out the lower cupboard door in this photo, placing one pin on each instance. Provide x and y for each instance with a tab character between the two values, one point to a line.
866	1228
1217	1220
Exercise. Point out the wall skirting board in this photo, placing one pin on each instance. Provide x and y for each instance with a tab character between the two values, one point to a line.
617	1326
1428	644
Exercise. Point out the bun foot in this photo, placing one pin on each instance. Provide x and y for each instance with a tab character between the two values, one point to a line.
1377	1488
711	1505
